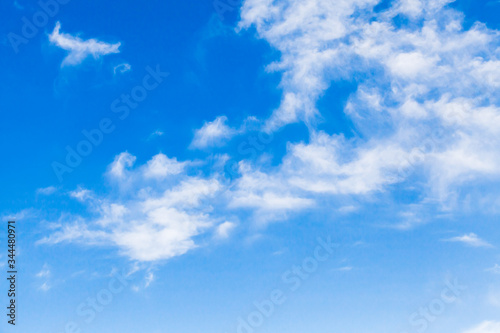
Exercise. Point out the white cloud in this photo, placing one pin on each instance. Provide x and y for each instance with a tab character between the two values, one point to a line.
224	229
80	49
495	269
160	166
436	84
81	194
146	224
268	194
426	100
119	166
213	133
155	134
122	68
45	286
150	277
345	269
485	327
44	273
470	240
47	190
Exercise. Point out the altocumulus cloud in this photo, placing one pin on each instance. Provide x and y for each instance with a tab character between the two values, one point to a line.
79	49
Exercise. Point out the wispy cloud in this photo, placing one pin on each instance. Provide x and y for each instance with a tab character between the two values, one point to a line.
122	68
156	134
46	190
159	222
470	240
44	273
495	269
80	49
485	327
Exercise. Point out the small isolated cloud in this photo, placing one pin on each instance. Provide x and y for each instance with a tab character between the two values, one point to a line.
213	133
224	229
46	190
150	277
345	269
122	68
81	194
495	269
44	273
470	240
486	327
155	134
80	49
45	287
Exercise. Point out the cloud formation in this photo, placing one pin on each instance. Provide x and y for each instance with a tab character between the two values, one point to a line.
426	110
213	133
426	98
79	49
156	219
470	240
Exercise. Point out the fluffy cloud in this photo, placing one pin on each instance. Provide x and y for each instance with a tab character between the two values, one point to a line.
426	101
150	222
213	133
432	103
78	48
224	229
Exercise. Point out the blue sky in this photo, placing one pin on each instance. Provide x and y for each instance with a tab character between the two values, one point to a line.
254	166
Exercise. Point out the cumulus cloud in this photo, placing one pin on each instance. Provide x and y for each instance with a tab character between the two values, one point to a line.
213	133
79	49
160	166
149	224
426	101
432	105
